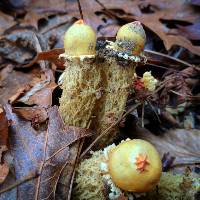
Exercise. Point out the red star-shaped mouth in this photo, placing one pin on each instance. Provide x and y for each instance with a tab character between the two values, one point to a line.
141	162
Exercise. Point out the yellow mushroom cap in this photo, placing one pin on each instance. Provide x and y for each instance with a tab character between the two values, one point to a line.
135	166
131	37
80	39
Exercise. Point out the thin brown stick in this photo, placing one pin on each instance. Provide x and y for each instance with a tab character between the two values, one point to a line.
108	129
75	166
190	97
19	182
154	111
80	9
41	168
143	115
170	57
106	9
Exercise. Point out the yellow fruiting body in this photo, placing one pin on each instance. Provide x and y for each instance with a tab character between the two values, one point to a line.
131	38
80	39
149	81
135	166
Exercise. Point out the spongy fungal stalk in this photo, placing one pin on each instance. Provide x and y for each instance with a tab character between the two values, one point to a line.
80	88
116	80
81	78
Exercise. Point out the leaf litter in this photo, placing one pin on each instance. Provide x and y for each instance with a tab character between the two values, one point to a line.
42	152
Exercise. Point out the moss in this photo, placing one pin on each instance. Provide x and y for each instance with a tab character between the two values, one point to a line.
88	182
175	187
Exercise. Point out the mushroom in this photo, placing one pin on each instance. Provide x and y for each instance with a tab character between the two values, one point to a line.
135	166
120	59
81	79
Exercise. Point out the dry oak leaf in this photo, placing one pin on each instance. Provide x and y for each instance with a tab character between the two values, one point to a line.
3	131
44	152
6	22
32	18
4	169
163	32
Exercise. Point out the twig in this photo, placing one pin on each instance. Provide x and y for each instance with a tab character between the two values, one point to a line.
170	57
41	168
19	182
143	115
76	164
108	129
154	111
80	9
193	162
190	97
106	9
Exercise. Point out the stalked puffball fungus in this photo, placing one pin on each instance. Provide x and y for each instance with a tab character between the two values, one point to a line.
80	81
80	39
120	59
131	169
131	38
135	166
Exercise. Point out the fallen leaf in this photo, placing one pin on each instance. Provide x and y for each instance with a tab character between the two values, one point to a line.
4	73
4	170
194	2
6	21
175	82
48	6
15	83
32	18
20	46
191	32
3	131
41	93
163	32
33	114
43	152
51	55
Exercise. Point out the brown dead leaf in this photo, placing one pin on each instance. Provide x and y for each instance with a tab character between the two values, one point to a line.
48	6
21	45
180	143
40	94
163	32
43	152
175	82
33	114
41	91
32	18
4	170
3	131
15	83
6	22
4	73
51	55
